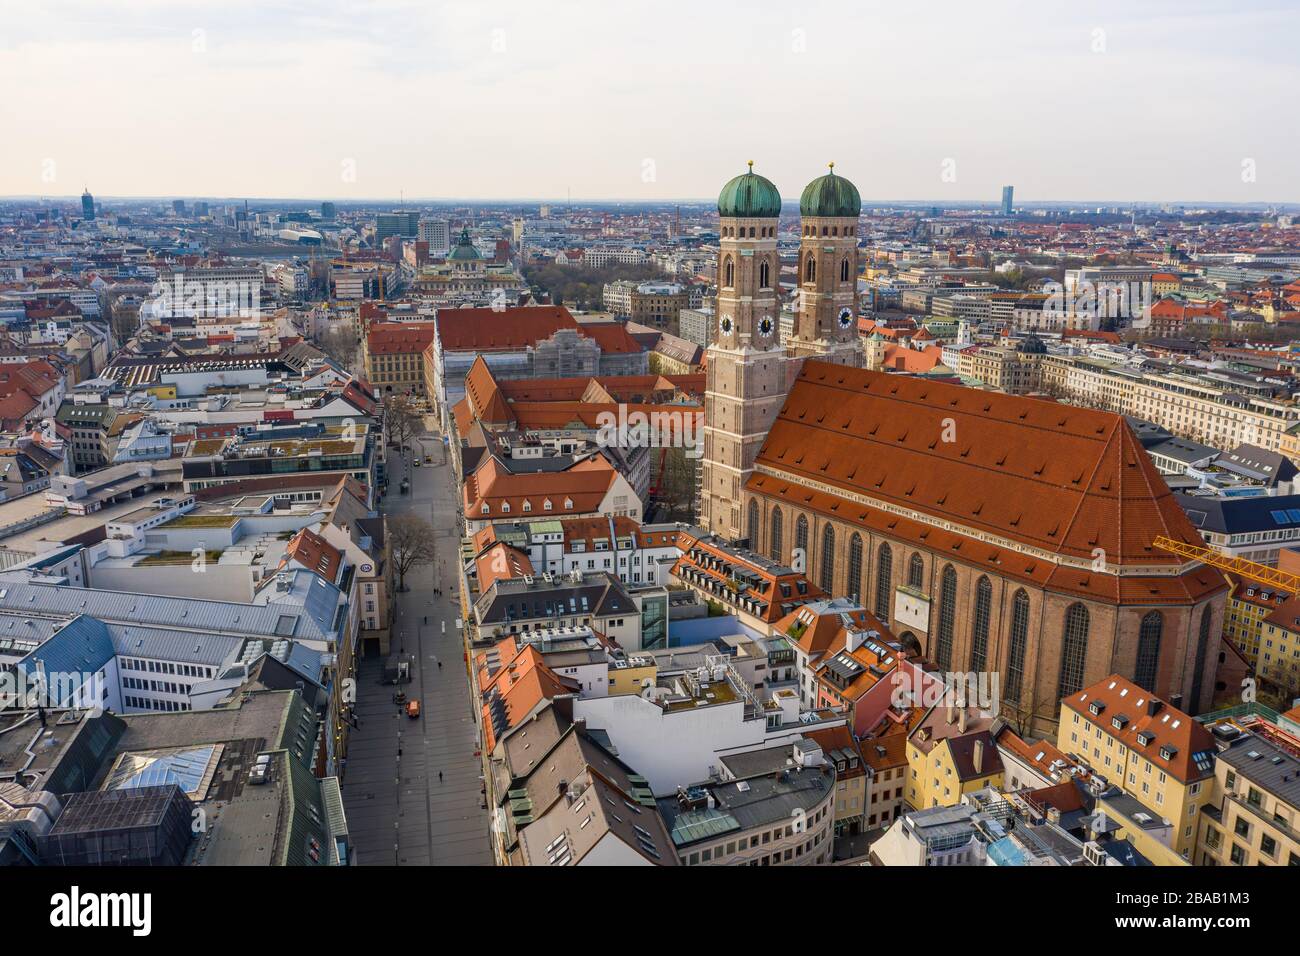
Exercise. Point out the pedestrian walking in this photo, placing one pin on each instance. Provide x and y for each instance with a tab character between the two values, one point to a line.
440	776
439	665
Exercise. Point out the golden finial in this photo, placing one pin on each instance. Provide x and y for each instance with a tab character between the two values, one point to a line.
832	166
751	165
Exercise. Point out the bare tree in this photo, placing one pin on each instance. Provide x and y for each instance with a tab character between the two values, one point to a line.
402	419
341	345
413	542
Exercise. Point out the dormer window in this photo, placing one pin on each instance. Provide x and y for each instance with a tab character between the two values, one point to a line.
1096	707
1145	737
487	509
528	505
546	505
568	504
1119	721
505	507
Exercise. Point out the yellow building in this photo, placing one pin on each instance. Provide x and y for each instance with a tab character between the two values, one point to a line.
950	753
1278	662
631	675
393	353
1243	619
1148	839
841	749
1164	283
1255	818
1156	754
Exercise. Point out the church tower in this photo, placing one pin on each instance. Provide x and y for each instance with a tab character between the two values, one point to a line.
746	364
826	325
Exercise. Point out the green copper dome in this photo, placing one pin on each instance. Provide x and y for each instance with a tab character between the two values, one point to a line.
830	195
464	248
749	196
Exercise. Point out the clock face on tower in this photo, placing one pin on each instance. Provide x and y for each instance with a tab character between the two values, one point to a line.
765	326
846	317
726	325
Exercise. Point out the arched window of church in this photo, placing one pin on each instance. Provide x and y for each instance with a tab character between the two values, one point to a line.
1202	648
1074	651
823	230
729	271
915	572
884	571
826	571
1148	653
979	639
854	583
751	524
1019	640
810	270
763	275
751	232
844	271
947	618
801	538
774	538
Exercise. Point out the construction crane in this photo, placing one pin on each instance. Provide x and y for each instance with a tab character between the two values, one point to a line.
1253	570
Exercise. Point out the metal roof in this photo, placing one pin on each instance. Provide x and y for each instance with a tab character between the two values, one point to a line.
310	605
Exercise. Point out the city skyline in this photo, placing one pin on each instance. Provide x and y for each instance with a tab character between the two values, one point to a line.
499	105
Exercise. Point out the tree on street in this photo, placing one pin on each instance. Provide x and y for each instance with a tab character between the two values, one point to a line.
402	419
413	542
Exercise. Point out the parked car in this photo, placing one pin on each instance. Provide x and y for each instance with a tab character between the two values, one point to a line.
413	709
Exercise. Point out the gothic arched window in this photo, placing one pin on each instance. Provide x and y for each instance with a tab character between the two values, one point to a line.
729	271
1019	640
801	539
884	571
810	270
844	271
826	569
915	572
979	642
763	275
947	618
774	538
854	584
1148	652
751	523
1074	651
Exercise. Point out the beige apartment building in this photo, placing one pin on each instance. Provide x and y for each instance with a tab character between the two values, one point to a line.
1199	410
1255	820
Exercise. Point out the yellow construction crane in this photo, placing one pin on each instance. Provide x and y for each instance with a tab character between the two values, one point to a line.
1253	570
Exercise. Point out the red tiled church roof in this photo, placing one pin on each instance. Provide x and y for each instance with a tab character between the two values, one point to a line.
1072	482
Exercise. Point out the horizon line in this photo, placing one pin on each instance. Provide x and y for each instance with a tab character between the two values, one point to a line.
696	201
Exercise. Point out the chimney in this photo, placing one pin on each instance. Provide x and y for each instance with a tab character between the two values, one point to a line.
951	714
977	758
1153	707
961	720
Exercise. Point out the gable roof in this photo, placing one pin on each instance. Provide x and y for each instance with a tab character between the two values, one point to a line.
1191	753
1018	476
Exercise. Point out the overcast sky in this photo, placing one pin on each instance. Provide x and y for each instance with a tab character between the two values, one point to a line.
326	99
